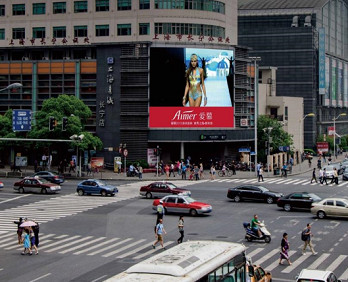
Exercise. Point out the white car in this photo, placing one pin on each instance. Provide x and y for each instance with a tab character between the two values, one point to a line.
308	275
330	207
329	171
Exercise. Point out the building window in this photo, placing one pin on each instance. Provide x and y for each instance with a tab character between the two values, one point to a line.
80	31
18	33
144	28
286	113
202	5
189	28
59	7
124	29
39	32
18	9
80	6
144	4
101	5
102	30
2	34
2	10
39	8
124	5
59	31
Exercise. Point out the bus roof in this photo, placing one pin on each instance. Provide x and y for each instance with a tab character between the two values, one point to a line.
186	257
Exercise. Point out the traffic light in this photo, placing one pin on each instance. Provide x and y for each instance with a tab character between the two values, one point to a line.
64	123
52	123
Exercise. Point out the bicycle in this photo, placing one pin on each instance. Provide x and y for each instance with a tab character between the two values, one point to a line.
225	173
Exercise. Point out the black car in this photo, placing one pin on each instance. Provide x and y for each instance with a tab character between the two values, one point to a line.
253	192
50	176
298	200
345	174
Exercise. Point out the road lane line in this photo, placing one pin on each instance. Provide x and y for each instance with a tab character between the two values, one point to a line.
109	247
133	251
254	252
152	250
9	200
15	245
336	263
97	279
124	248
96	246
43	276
82	245
62	246
319	260
266	257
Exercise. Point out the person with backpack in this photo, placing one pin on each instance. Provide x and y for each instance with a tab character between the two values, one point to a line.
306	237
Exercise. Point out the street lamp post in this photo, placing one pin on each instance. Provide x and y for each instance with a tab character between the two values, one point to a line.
256	111
12	86
301	133
78	139
268	131
334	123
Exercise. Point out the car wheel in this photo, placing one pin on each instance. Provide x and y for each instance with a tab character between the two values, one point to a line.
103	193
268	239
269	200
80	192
148	195
43	191
321	214
237	199
112	195
193	212
21	190
287	207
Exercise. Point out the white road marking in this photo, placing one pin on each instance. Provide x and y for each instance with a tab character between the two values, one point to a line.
82	245
319	260
296	263
109	247
255	252
344	275
62	246
276	263
124	248
96	246
9	200
152	250
60	242
336	262
39	278
266	257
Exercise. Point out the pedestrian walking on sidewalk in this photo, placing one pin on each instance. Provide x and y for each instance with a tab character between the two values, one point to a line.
284	249
306	237
314	177
212	172
140	172
324	177
181	229
183	171
261	174
159	233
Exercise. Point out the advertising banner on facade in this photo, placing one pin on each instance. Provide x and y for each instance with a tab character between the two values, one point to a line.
151	157
322	147
321	60
191	88
21	161
330	131
97	162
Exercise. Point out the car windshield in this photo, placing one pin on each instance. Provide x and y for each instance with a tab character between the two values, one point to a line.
314	197
330	167
101	183
43	180
171	185
190	200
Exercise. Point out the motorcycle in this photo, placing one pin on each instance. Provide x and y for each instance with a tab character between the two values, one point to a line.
250	235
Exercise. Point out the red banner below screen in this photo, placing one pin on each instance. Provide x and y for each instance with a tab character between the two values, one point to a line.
189	117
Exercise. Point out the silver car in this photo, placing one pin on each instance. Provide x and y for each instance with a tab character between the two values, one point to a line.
329	171
336	207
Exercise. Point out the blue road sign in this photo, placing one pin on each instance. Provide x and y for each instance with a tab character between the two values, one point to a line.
244	150
21	120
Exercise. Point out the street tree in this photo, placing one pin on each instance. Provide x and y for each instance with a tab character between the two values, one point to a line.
279	137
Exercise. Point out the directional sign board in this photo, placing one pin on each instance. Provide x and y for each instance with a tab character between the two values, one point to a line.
21	120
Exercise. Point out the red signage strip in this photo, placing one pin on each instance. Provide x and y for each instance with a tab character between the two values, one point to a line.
191	117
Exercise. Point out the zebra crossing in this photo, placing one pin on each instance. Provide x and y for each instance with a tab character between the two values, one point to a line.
67	205
282	181
138	249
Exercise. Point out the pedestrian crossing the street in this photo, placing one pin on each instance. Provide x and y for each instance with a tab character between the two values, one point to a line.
282	181
139	249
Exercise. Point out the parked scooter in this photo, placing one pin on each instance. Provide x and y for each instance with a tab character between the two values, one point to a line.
250	235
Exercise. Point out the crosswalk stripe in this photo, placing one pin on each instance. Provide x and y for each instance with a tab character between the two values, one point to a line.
109	247
69	244
344	275
124	248
295	264
266	257
82	245
59	242
282	181
152	250
14	244
319	260
96	246
144	246
301	181
255	252
339	185
336	262
291	181
276	262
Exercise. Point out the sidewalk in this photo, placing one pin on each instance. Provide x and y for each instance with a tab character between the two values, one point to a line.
110	175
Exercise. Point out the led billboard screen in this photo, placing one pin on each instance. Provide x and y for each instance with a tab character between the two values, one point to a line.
191	88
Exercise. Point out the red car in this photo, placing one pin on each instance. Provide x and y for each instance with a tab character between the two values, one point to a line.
182	204
161	189
36	184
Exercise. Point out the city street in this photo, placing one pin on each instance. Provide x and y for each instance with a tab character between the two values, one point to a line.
92	238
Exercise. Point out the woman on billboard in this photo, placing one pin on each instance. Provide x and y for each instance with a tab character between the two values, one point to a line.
195	87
